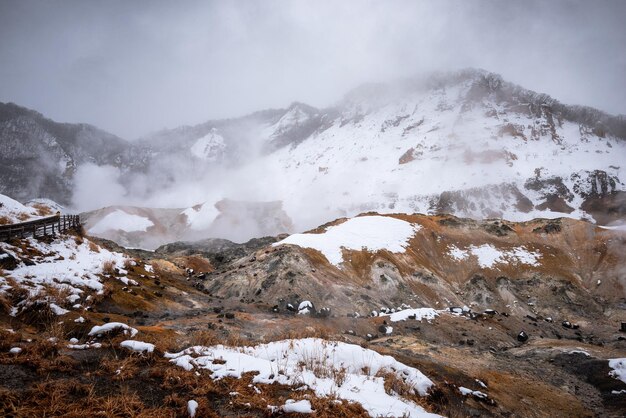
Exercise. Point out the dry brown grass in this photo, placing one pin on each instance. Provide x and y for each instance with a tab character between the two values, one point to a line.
4	220
8	340
395	384
42	210
22	217
36	311
5	304
58	293
41	356
323	332
121	369
206	338
108	267
73	399
129	263
93	247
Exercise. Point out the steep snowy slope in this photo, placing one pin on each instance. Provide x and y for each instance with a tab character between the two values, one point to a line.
468	144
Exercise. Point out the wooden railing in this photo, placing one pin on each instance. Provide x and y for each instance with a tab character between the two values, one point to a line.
40	227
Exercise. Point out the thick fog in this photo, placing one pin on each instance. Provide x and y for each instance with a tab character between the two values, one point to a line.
136	67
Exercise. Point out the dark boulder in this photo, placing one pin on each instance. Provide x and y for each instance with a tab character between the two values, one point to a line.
522	337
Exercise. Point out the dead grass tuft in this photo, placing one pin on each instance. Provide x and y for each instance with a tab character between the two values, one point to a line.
5	304
36	311
323	332
42	210
206	338
22	217
129	264
108	267
8	340
121	369
93	247
340	408
4	220
395	384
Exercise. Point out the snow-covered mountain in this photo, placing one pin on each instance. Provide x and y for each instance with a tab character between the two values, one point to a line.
467	143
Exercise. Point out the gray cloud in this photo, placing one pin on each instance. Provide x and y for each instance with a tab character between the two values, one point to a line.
135	67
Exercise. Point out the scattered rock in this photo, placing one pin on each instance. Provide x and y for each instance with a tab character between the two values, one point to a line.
522	337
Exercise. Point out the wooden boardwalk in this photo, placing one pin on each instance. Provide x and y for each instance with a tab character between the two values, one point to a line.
40	227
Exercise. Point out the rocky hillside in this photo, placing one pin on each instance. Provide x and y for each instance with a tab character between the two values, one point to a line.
399	315
38	157
559	268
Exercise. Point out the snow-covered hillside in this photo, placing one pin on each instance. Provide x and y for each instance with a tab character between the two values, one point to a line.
466	143
455	147
12	211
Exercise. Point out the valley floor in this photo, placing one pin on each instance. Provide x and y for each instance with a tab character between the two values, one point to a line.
452	362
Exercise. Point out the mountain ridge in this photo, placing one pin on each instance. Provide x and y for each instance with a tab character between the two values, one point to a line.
490	141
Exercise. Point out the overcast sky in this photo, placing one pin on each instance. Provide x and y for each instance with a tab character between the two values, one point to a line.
135	67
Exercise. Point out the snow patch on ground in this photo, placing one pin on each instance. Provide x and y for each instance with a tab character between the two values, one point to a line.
418	313
488	255
299	407
619	368
371	233
292	362
465	392
192	406
106	328
137	346
121	221
64	263
12	211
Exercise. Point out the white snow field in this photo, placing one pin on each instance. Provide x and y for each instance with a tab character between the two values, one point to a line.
12	211
619	368
315	363
487	255
121	221
64	262
372	233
